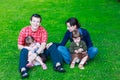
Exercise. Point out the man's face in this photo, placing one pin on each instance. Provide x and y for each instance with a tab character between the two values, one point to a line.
70	28
35	23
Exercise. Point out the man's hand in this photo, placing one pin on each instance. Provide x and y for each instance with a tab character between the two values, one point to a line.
48	45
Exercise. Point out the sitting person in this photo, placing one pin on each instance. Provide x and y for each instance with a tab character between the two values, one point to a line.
40	35
72	24
32	56
78	50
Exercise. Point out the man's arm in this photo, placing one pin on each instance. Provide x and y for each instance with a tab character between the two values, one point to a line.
21	47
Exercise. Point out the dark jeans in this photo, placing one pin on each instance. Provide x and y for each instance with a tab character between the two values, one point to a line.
52	51
23	58
54	54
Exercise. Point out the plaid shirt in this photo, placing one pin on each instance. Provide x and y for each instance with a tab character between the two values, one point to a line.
39	36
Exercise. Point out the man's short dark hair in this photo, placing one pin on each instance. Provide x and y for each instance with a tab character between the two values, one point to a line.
37	16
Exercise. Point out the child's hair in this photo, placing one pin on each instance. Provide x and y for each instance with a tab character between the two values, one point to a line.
76	34
29	40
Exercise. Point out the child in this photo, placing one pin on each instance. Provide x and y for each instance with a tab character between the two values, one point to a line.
32	56
78	50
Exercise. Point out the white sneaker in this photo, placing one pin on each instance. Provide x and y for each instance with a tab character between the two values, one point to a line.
81	67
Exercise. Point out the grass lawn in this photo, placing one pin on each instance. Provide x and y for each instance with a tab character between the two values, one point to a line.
100	17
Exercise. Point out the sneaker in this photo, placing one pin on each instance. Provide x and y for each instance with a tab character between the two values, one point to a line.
81	67
44	66
24	74
59	69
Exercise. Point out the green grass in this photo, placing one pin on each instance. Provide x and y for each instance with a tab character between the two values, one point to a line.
100	17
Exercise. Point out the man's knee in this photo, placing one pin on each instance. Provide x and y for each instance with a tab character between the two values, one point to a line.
24	51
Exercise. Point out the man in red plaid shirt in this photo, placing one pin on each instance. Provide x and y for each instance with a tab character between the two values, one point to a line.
40	35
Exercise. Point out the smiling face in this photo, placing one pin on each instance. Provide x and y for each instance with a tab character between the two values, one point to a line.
35	23
71	28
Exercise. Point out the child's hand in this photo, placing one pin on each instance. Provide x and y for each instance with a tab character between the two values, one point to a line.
76	51
80	50
84	52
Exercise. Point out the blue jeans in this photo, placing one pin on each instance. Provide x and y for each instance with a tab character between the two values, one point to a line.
23	58
92	51
65	54
54	54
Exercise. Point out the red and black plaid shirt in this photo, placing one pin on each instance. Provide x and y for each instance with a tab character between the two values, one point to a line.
39	36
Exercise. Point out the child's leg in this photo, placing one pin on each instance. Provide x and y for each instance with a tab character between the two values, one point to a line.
83	60
78	57
31	57
38	58
74	58
72	65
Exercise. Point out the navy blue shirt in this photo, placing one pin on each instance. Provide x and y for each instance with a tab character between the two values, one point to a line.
85	37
